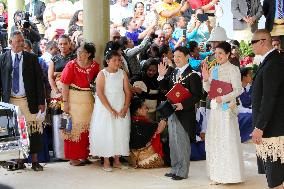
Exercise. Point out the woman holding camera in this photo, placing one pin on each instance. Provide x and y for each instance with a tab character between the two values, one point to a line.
78	102
204	30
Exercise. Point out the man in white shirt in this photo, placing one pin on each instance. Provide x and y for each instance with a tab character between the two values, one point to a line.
120	10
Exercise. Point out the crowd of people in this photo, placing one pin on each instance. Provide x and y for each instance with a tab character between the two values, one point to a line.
120	112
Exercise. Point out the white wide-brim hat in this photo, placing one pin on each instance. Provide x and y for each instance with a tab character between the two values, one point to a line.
218	34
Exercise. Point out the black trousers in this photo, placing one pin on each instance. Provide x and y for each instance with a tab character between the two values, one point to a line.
274	171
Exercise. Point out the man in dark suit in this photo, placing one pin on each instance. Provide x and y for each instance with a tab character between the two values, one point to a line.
273	11
181	124
22	85
268	109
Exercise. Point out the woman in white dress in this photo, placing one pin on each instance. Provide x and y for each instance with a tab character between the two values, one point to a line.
223	142
110	124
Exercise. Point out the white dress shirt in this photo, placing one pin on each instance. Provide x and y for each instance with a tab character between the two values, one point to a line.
265	55
181	70
22	91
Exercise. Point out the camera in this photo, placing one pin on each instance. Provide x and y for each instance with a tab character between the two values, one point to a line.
24	21
3	24
202	17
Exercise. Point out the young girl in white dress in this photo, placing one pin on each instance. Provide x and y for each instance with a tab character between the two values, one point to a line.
110	124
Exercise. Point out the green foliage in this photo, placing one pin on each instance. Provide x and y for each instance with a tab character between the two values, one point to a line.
4	1
245	49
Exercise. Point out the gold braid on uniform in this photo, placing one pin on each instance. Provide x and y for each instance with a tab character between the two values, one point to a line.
271	148
211	64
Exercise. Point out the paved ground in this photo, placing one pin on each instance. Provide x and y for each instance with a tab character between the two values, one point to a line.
63	176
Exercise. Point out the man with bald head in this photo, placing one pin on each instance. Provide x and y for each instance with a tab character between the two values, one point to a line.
268	109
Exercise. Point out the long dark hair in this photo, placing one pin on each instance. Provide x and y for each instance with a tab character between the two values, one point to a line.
74	18
147	64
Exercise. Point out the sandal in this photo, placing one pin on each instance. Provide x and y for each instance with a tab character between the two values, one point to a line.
77	164
107	169
122	167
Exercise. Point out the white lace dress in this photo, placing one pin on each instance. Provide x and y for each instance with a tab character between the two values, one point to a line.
223	143
110	136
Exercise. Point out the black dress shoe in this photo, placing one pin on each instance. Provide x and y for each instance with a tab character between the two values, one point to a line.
170	174
175	177
37	167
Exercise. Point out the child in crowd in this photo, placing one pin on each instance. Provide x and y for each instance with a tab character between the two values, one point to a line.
244	109
110	125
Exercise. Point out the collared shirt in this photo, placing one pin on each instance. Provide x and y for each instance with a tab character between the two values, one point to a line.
22	91
181	70
265	55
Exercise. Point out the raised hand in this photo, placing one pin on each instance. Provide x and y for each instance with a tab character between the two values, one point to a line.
205	71
197	24
162	69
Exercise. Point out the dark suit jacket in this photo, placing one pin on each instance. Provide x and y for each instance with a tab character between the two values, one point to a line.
39	10
269	13
194	85
32	76
268	96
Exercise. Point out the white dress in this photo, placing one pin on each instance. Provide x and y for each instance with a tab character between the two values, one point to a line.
110	136
223	143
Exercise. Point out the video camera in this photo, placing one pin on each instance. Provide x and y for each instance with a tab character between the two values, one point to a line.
24	21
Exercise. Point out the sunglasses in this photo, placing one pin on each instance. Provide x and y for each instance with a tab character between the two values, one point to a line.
255	41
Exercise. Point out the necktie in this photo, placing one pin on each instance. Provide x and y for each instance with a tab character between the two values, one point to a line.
178	74
249	7
16	74
279	9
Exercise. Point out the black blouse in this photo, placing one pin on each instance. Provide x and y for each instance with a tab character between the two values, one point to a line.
61	61
141	132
